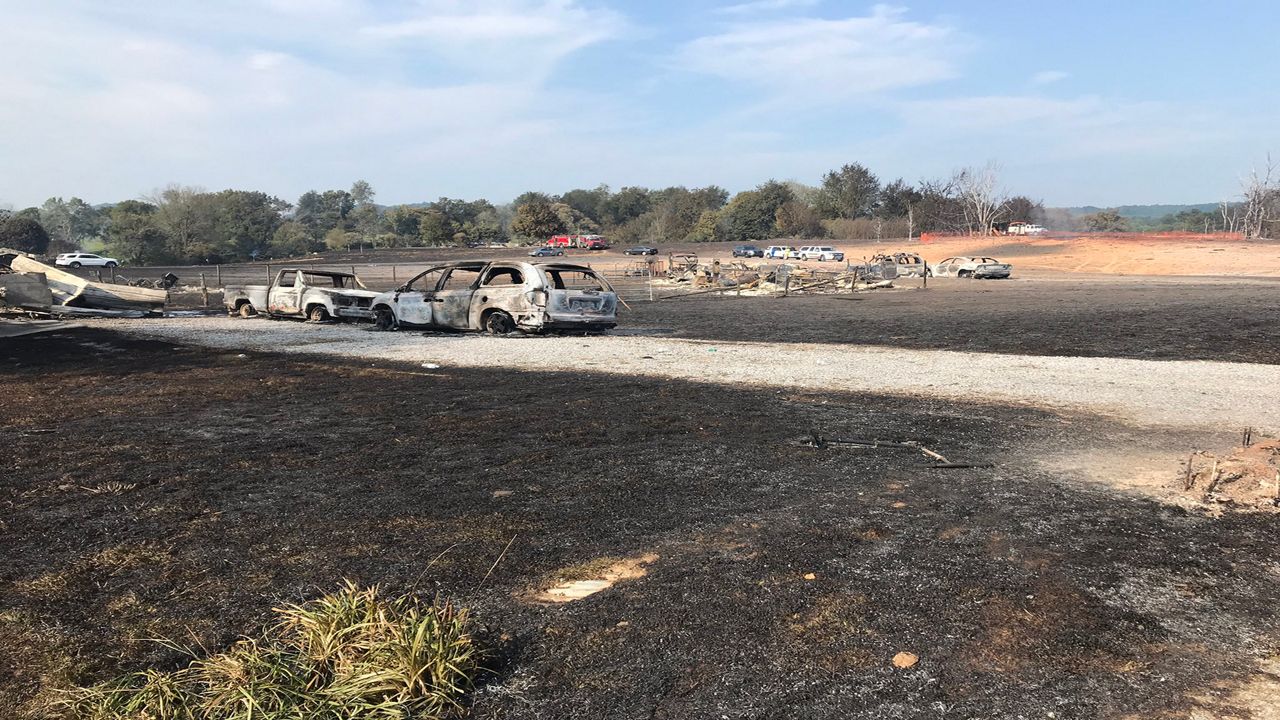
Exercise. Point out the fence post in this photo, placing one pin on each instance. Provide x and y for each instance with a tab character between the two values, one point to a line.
268	274
113	273
204	292
219	275
393	274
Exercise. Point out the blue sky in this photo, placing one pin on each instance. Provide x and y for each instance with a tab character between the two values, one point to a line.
1085	102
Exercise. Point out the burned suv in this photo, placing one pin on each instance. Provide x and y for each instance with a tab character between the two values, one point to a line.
501	297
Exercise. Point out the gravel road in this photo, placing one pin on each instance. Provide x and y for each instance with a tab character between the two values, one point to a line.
1177	394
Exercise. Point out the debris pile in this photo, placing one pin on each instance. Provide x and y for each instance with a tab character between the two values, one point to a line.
29	286
763	279
1246	479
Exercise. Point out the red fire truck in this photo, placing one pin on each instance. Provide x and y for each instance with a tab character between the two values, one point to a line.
589	242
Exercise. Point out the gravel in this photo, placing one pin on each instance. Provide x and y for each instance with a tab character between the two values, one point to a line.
1182	394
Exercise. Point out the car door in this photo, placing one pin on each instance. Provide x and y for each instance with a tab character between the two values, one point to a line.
285	297
451	303
412	300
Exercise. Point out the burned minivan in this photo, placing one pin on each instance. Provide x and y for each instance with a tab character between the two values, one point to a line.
500	298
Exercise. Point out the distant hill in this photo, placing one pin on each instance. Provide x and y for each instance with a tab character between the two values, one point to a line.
1145	212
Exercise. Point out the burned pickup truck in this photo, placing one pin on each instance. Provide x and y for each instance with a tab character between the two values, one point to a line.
316	295
501	298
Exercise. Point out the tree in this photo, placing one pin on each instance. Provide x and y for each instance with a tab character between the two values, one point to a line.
187	215
1021	208
362	193
625	205
1261	192
532	196
135	236
978	191
25	234
537	220
1108	220
244	225
404	220
365	214
573	220
752	214
292	239
339	239
849	192
322	212
1231	215
590	203
796	219
435	228
709	228
69	222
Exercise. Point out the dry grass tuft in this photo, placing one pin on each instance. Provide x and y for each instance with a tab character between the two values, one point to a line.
349	654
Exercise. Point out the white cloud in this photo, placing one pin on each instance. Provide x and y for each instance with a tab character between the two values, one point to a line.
817	58
109	103
763	6
1047	77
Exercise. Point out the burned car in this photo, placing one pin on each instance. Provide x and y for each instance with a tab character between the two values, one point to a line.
908	264
500	298
318	295
972	267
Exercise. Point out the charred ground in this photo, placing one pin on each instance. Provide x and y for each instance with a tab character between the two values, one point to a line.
186	491
1143	318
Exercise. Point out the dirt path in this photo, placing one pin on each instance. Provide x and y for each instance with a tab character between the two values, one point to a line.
1188	394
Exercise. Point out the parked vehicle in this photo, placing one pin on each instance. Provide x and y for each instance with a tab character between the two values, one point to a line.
907	264
316	295
83	259
747	251
501	297
1024	228
792	254
821	253
972	267
546	252
589	242
641	250
776	252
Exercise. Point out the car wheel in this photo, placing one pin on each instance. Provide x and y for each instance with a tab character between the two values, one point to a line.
246	310
74	265
318	314
384	319
499	323
965	273
111	265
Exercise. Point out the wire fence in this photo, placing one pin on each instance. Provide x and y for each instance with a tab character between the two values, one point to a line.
199	285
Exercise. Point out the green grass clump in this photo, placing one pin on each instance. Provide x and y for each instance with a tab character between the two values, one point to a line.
350	654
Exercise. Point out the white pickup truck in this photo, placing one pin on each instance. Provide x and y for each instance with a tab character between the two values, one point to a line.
316	295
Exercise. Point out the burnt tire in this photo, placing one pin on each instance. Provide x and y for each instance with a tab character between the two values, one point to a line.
499	323
246	310
317	313
384	319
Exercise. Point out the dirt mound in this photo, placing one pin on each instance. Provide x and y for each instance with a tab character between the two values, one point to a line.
1246	479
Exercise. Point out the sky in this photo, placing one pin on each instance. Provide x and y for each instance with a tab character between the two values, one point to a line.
1079	103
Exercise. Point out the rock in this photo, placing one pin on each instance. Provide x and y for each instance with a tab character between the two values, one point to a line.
810	576
905	660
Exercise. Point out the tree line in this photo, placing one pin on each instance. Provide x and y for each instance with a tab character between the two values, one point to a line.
187	225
